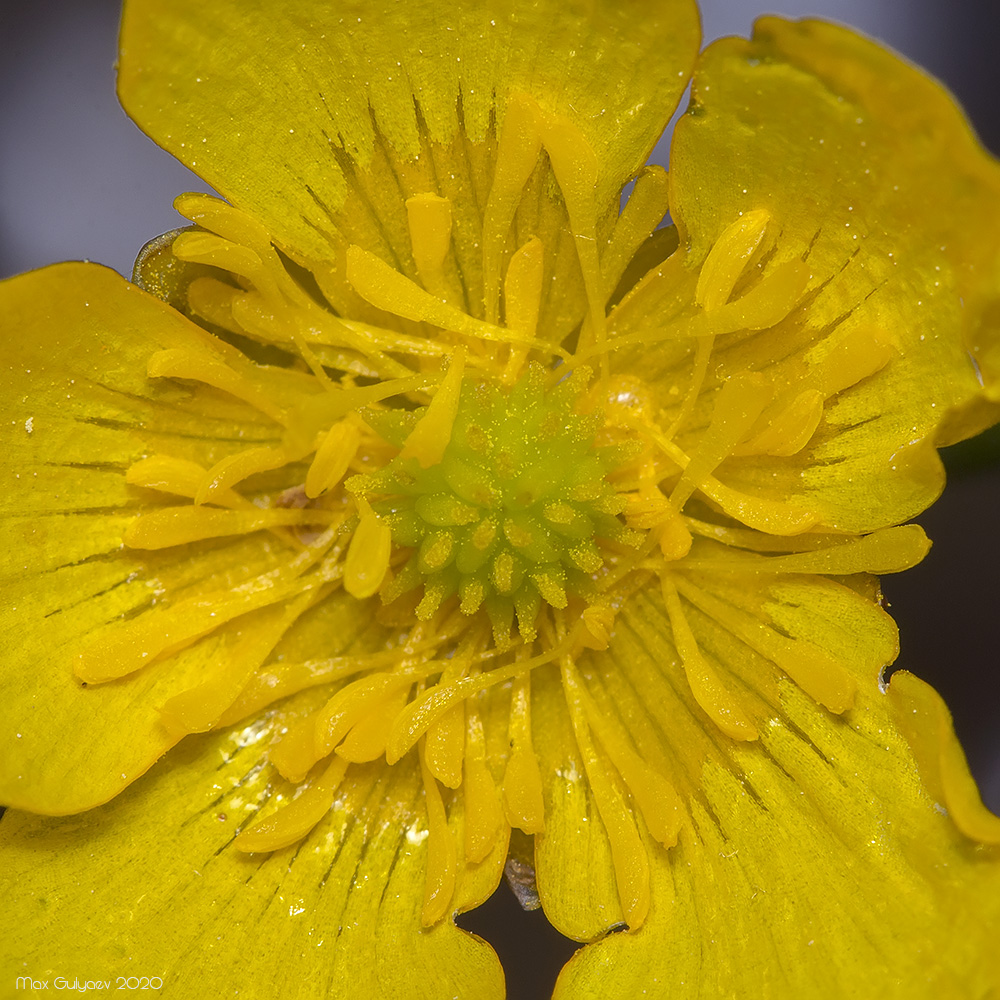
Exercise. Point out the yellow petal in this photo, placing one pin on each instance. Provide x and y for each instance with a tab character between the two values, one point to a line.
159	866
839	142
811	863
74	386
361	74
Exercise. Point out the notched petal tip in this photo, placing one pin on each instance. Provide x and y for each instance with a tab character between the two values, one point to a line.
925	721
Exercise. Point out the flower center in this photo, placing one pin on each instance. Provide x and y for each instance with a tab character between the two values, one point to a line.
507	507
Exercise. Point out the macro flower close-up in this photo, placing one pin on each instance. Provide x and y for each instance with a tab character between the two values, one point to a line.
426	508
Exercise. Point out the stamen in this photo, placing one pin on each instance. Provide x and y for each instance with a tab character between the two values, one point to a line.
576	167
429	439
429	219
818	674
628	853
207	248
522	781
483	815
657	799
517	154
790	429
332	459
365	741
292	822
889	550
179	362
708	690
139	642
178	476
444	742
643	212
368	555
387	289
729	258
169	526
424	710
235	468
198	709
361	699
737	405
442	855
522	301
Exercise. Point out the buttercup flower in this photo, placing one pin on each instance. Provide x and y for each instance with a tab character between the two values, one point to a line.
419	510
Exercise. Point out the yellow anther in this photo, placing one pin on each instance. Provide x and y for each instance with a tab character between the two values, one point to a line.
175	475
352	704
385	288
729	258
442	856
367	556
444	747
293	821
643	212
789	429
522	782
168	526
517	154
199	708
429	219
841	361
235	468
765	305
822	677
523	287
656	798
294	755
367	737
673	537
628	853
738	404
483	816
428	440
207	248
647	509
221	218
598	622
333	457
202	366
522	300
140	641
719	704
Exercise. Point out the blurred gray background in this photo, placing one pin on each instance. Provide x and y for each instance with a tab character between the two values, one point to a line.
79	181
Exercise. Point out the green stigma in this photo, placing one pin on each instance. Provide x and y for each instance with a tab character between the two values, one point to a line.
513	515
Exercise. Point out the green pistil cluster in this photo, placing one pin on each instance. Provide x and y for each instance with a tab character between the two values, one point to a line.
511	515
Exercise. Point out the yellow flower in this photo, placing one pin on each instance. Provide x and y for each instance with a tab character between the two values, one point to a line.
426	509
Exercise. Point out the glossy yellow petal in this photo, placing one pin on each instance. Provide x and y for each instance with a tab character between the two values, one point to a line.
74	390
811	862
860	169
337	915
332	87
